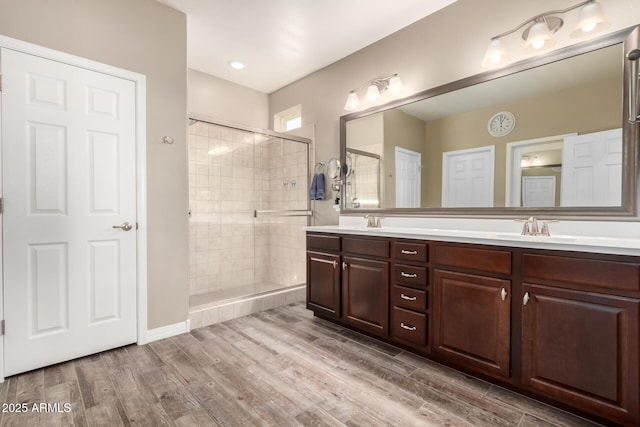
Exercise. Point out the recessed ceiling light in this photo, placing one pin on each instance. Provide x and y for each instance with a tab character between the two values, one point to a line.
236	65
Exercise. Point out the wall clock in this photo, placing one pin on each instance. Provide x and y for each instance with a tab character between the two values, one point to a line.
501	123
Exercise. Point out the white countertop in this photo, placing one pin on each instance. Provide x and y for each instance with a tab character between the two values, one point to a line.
580	243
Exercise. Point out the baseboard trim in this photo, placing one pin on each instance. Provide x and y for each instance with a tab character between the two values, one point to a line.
166	332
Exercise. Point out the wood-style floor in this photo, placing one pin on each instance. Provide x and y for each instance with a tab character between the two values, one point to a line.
276	368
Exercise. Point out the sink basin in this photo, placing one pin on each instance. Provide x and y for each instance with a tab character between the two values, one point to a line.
548	239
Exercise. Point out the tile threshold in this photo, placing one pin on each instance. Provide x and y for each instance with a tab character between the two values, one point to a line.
245	298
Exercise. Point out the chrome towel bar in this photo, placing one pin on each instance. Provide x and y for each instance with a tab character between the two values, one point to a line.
268	212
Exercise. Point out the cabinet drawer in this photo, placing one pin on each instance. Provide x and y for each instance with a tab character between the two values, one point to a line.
321	241
492	261
370	247
416	252
581	271
411	275
409	298
409	326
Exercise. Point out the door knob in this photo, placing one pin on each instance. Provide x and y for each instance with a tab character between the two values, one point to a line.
126	226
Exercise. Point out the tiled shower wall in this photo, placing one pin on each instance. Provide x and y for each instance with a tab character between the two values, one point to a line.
231	174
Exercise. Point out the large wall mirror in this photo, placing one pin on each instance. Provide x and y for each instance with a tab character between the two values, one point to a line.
549	135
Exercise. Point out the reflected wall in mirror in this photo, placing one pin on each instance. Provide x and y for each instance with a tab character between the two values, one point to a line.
565	150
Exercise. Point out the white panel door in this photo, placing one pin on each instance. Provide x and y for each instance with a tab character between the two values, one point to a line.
467	177
538	191
592	169
408	168
68	170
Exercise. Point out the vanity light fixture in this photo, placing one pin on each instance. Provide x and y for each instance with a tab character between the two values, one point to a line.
375	89
538	32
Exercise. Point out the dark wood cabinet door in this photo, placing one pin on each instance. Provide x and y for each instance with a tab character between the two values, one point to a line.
365	294
581	348
471	318
323	283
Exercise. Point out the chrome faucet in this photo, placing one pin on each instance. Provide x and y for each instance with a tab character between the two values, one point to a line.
373	221
531	227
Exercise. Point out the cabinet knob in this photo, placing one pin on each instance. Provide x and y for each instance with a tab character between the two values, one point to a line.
335	264
503	294
408	328
344	265
526	298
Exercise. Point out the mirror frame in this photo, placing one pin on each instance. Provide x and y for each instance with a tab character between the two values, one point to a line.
629	38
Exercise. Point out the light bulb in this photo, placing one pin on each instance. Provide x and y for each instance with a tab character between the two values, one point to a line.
590	19
352	101
539	36
496	54
395	85
373	93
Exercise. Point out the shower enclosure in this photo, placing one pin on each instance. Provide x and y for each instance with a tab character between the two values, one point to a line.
248	200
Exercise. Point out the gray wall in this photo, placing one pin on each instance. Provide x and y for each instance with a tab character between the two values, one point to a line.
441	48
223	100
146	37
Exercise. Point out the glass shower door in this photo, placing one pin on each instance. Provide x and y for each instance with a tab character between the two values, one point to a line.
282	211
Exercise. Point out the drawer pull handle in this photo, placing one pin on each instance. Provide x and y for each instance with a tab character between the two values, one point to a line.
526	298
406	252
407	297
503	294
408	328
409	275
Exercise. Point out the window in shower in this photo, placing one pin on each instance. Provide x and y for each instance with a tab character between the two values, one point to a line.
289	119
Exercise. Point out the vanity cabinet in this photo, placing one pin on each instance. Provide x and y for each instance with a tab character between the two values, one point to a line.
365	284
365	294
560	325
580	342
410	294
323	271
472	309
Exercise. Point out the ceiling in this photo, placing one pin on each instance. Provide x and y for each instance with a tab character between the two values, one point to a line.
281	41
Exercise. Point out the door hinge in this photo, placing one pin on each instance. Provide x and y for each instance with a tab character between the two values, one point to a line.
1	205
0	82
2	327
